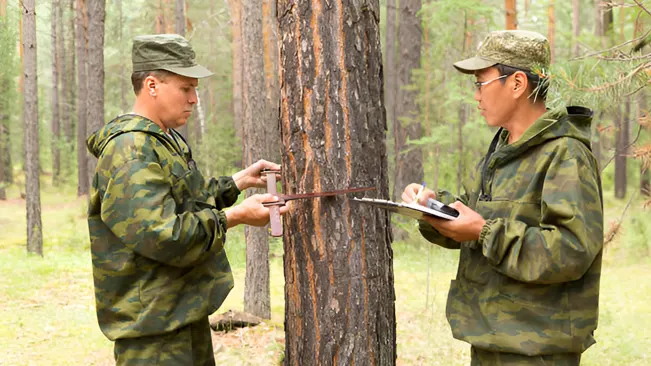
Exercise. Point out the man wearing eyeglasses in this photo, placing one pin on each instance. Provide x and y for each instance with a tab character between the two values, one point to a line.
530	228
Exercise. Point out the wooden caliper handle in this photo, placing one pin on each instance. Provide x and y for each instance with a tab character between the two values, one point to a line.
274	211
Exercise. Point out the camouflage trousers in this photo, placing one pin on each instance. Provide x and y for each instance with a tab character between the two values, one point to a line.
190	345
480	357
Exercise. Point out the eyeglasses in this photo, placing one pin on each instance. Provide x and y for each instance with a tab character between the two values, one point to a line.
478	84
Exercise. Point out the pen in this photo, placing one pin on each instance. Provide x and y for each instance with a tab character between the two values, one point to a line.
420	190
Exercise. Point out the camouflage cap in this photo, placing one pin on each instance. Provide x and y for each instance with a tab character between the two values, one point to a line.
516	48
169	52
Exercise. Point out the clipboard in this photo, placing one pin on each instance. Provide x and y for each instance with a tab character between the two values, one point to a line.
414	210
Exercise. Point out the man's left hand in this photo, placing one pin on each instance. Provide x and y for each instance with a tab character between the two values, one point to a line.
466	227
251	177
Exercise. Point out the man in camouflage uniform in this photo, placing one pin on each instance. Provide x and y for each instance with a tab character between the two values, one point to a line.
157	228
530	228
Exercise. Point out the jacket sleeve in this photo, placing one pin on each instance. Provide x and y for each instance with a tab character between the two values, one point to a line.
431	234
139	209
567	240
224	190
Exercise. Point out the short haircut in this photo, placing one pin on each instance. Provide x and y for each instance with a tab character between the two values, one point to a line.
537	85
138	78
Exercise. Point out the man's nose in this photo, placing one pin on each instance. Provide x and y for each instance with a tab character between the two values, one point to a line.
194	97
477	95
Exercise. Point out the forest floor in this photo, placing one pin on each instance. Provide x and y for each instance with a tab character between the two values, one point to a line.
47	315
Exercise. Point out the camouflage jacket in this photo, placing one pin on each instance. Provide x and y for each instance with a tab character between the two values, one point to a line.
530	284
156	229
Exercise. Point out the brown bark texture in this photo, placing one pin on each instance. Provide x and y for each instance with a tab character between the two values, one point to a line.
621	148
56	122
511	14
30	123
339	297
236	29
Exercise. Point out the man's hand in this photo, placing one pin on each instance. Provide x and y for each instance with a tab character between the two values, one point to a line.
411	191
251	177
251	211
466	227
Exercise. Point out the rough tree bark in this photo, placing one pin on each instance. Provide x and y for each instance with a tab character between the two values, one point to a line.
30	122
339	297
81	45
261	137
408	159
56	123
95	112
576	27
645	176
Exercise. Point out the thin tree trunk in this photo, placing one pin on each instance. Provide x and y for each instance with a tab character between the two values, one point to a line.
621	149
56	126
70	126
161	26
81	35
95	112
6	84
645	176
236	27
390	75
576	27
30	121
408	160
551	28
511	14
339	297
260	134
123	67
180	22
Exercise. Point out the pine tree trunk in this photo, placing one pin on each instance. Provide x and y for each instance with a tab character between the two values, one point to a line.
621	149
576	27
179	22
71	96
261	137
408	160
123	68
236	28
56	126
511	14
6	173
339	297
551	28
30	121
645	176
81	36
95	112
390	75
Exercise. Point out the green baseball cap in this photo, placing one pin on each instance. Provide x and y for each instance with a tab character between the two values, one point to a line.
516	48
170	52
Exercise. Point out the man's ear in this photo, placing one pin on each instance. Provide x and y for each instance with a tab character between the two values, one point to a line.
150	85
520	84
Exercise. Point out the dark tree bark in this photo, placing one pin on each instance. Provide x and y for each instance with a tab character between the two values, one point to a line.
621	149
408	159
81	45
339	297
56	123
260	137
30	122
70	126
511	14
95	112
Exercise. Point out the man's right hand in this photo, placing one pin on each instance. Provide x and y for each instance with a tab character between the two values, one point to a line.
411	191
252	212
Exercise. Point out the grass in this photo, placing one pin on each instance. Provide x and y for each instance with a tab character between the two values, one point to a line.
48	316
